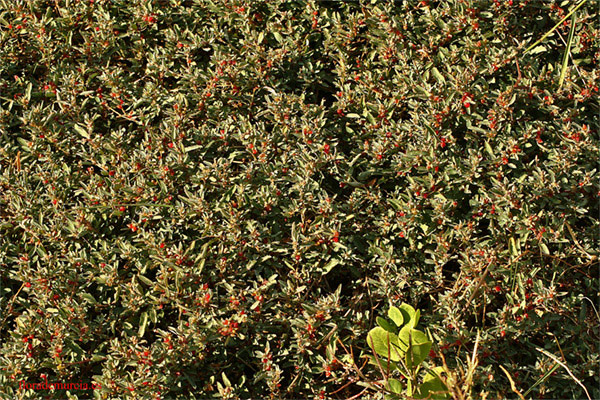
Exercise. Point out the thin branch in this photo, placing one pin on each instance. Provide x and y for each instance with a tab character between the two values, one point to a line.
10	307
555	26
512	383
553	357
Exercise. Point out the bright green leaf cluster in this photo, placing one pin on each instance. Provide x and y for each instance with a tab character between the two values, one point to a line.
398	345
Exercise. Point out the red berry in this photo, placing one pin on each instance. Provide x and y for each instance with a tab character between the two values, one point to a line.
326	149
122	208
28	284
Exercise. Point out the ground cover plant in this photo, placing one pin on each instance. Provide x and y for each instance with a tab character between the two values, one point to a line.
220	199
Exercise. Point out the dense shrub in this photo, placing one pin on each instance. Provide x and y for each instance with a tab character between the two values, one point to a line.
208	199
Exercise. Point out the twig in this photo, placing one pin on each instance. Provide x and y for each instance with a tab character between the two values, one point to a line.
512	383
577	242
555	26
450	381
356	396
377	358
576	267
342	388
474	356
595	310
351	353
479	283
570	55
327	337
565	62
10	308
293	382
18	161
518	72
553	357
559	348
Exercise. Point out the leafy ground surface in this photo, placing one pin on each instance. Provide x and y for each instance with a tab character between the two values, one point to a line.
217	199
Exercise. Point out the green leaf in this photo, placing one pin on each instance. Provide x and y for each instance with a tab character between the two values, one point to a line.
382	322
330	265
394	386
190	148
538	50
97	357
226	380
432	386
143	323
384	343
396	315
409	388
79	129
438	75
513	247
28	91
415	344
75	347
153	316
488	148
370	118
424	93
145	280
395	204
433	374
409	314
89	298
